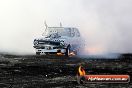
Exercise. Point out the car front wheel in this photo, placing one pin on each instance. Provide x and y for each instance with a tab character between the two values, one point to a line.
67	53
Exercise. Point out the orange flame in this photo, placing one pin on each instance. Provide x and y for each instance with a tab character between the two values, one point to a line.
59	54
72	54
81	71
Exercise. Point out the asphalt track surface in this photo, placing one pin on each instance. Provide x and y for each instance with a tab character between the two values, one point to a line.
31	71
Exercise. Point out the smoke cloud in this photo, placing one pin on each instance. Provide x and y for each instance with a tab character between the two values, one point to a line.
106	25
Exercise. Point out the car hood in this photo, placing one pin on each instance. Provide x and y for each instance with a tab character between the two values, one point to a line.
64	38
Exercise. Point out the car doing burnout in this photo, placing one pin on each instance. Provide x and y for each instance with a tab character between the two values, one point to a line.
54	40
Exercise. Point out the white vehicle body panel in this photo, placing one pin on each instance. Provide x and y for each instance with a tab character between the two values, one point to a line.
57	39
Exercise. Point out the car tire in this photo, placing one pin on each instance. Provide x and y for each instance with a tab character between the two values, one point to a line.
67	53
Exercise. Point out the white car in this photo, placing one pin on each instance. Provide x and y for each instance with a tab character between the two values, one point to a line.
59	40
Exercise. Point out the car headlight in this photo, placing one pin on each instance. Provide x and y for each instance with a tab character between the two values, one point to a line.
62	43
36	42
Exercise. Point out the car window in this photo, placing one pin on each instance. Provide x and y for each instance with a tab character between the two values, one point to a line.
72	32
77	32
68	32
